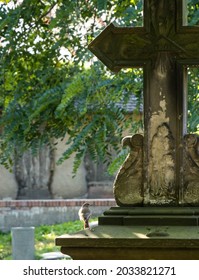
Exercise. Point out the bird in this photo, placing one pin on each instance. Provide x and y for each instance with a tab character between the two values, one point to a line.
85	214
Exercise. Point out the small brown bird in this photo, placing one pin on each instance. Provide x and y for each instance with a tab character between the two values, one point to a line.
84	214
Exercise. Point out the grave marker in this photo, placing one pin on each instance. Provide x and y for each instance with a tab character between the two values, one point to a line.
169	170
23	243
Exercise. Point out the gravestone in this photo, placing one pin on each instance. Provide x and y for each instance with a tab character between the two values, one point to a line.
157	188
23	243
166	159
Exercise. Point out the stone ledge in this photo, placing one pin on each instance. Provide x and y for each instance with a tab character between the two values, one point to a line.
176	216
132	243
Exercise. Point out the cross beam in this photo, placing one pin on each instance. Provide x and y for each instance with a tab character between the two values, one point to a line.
163	166
120	47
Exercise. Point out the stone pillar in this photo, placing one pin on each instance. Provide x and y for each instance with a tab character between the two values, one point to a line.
23	243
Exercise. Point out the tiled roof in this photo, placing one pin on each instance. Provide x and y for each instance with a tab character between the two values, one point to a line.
131	105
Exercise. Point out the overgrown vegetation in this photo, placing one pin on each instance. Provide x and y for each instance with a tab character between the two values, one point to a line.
51	84
44	238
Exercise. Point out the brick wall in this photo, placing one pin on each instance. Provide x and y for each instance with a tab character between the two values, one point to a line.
16	213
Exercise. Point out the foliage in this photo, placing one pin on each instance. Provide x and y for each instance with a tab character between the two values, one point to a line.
46	90
51	84
5	246
193	100
44	238
193	12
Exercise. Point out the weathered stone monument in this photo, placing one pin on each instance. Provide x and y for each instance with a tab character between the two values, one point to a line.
23	243
157	188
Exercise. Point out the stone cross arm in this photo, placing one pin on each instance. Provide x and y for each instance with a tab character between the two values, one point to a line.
119	47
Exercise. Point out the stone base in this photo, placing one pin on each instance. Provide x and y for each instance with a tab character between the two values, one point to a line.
137	234
177	216
132	243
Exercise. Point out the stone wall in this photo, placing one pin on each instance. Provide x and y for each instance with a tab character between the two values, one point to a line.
39	177
21	213
8	184
64	184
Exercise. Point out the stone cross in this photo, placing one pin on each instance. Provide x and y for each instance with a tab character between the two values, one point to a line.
162	167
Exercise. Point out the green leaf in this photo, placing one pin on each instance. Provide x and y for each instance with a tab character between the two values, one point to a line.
101	5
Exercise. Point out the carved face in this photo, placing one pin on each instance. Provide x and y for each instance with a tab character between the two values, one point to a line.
163	131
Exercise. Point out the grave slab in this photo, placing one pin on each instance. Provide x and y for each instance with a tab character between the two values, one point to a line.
112	242
23	243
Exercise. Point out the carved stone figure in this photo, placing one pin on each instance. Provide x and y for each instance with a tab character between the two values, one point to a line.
191	169
128	185
162	12
161	165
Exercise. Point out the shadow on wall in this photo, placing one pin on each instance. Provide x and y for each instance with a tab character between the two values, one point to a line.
39	177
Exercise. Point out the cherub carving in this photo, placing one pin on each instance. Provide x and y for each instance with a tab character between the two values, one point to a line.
162	14
192	149
161	164
128	185
191	169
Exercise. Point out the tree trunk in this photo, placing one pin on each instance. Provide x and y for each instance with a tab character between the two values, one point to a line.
34	173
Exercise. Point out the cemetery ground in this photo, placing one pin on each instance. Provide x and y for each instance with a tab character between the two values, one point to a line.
44	238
